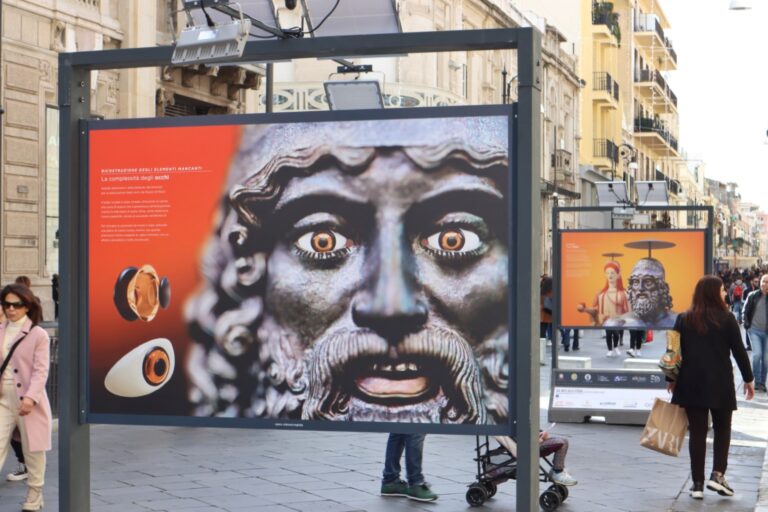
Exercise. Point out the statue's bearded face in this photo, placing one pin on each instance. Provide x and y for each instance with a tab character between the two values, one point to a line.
648	295
392	280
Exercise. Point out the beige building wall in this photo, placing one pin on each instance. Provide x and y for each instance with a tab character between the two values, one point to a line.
33	33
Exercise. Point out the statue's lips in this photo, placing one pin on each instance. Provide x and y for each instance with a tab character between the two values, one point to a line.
394	381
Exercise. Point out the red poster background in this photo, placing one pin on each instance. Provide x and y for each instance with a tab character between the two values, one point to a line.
194	198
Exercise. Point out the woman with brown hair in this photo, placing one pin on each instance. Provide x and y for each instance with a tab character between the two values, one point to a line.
708	335
25	357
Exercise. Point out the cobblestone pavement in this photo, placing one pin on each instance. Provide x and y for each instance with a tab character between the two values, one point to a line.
140	469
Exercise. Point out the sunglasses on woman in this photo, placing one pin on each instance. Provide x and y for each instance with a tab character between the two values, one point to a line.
14	305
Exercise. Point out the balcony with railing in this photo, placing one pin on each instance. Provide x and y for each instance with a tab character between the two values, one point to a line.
606	153
605	23
303	96
649	34
651	86
656	135
606	89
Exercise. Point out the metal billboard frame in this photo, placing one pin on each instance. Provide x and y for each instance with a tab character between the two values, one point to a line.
74	97
481	111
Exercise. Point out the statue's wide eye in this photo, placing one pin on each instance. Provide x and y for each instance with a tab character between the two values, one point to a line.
453	240
323	241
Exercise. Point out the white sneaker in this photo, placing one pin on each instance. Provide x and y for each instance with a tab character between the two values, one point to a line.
697	491
609	353
631	352
18	475
562	478
637	353
616	351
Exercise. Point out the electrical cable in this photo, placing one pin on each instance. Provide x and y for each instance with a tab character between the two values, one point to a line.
262	37
324	19
208	18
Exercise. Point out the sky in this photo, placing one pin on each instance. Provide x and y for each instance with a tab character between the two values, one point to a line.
722	87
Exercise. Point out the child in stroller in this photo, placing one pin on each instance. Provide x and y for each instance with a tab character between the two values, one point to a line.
500	464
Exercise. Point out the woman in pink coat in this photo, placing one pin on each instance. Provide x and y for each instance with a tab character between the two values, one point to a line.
23	400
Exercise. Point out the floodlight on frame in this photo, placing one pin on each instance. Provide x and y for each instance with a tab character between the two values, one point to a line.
351	17
201	44
612	193
652	193
353	94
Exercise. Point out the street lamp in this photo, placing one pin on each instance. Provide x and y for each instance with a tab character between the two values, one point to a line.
506	86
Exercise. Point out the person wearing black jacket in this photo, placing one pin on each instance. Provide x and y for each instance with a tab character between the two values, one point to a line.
755	318
708	335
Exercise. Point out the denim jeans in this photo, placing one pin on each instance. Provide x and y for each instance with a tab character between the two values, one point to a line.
736	308
566	334
759	338
413	444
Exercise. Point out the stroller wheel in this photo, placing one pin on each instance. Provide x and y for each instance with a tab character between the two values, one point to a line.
490	488
549	500
476	495
561	490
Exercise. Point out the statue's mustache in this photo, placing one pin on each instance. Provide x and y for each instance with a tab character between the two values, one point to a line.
333	357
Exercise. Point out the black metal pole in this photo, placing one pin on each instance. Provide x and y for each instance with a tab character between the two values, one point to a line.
527	251
74	433
268	101
504	97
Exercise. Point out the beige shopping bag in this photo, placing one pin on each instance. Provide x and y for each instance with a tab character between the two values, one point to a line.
665	429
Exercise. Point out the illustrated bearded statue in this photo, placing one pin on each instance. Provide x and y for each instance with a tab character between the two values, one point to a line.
358	272
649	298
648	290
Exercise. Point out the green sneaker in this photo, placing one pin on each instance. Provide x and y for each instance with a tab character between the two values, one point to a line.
421	492
396	488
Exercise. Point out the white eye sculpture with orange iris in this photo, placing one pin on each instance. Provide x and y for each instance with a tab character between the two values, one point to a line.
143	370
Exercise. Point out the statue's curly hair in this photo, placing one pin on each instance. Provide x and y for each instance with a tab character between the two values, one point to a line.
238	366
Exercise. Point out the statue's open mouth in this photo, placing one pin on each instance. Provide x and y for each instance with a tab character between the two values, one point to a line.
395	381
359	376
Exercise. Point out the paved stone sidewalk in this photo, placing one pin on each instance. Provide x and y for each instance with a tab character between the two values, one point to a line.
140	469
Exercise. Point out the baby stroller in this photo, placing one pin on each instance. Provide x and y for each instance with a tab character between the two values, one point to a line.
499	465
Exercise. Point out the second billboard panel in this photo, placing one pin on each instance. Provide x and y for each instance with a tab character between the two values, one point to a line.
628	279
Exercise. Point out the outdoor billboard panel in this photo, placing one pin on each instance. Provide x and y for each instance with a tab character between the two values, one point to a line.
638	279
327	270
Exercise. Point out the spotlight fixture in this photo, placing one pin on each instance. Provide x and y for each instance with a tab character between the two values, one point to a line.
353	94
212	43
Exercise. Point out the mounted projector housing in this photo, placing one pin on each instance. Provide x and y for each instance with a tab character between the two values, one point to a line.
221	43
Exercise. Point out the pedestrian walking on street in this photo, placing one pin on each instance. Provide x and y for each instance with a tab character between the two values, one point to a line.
25	351
755	319
708	335
737	297
391	484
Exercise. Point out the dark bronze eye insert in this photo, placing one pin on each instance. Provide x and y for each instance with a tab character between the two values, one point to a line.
140	293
